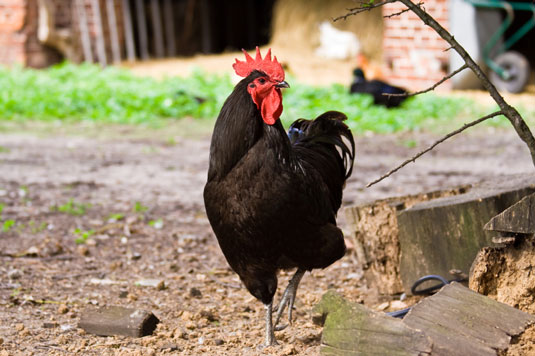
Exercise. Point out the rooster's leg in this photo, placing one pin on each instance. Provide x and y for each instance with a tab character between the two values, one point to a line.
270	335
288	298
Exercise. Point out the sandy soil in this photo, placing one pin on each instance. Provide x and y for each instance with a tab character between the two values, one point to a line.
155	182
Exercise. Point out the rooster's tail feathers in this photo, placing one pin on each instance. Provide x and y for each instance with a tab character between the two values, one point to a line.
328	128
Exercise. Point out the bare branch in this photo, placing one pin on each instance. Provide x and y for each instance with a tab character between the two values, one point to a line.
419	154
364	7
432	87
401	12
511	113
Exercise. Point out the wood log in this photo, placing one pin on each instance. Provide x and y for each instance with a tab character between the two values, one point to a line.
454	322
374	232
446	234
115	320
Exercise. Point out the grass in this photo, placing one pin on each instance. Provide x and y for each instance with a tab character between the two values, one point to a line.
69	93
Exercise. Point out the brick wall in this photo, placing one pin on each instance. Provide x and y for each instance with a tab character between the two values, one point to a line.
12	36
413	53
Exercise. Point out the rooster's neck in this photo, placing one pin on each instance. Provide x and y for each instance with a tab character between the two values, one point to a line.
239	127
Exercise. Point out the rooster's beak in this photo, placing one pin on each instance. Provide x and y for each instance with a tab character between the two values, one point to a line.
282	84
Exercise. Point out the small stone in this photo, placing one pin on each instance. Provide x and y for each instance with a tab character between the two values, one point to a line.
218	342
208	315
382	306
14	274
159	284
115	320
19	327
135	256
66	327
170	347
398	304
195	293
289	350
50	325
83	250
63	309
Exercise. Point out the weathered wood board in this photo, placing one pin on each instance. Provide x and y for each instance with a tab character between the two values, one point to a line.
517	219
115	320
351	329
454	322
463	322
447	233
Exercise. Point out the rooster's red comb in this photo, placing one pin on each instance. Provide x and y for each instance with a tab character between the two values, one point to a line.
271	67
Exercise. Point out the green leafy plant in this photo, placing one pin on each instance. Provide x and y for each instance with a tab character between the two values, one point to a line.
82	235
115	217
7	225
140	208
157	224
86	92
73	208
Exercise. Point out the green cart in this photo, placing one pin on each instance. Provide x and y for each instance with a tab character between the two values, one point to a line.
509	70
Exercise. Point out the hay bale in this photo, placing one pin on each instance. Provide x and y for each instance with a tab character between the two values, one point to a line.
295	25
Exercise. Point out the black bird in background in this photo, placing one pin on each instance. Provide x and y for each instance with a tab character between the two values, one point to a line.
377	88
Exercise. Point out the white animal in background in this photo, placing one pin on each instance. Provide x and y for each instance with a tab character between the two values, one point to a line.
337	44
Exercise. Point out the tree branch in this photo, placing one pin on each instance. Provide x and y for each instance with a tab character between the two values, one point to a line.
419	154
365	6
432	87
401	12
511	113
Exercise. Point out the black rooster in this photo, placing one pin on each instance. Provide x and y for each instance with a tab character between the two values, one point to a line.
272	197
377	89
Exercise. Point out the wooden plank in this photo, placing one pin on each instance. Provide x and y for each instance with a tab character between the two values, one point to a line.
84	30
447	233
169	23
114	36
352	329
99	33
462	322
157	27
206	27
128	31
142	29
117	320
517	219
454	322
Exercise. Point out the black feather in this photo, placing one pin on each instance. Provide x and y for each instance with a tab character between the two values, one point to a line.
272	196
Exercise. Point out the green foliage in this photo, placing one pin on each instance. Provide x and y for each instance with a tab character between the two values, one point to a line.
140	208
7	225
157	224
309	102
82	235
72	208
115	217
87	92
69	92
1	208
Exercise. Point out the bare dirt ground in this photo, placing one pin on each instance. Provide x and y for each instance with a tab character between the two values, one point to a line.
141	196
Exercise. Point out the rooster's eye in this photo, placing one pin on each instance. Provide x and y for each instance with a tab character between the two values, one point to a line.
261	80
